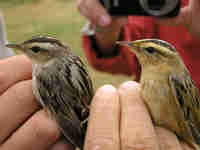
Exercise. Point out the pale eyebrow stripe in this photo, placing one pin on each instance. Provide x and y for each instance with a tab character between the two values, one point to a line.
164	44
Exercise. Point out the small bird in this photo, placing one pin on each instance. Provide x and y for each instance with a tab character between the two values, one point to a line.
167	89
61	83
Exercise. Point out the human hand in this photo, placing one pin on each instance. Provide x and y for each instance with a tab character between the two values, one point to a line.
23	124
120	120
94	12
189	17
109	27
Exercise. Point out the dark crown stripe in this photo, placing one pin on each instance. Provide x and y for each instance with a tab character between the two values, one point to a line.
44	40
163	43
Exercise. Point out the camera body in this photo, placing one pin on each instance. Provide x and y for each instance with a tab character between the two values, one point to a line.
157	8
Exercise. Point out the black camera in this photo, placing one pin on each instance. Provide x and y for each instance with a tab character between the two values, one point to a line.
157	8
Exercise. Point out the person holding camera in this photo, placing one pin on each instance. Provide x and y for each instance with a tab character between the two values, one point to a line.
130	126
99	38
102	53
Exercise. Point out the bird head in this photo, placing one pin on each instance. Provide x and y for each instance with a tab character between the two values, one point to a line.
153	52
40	49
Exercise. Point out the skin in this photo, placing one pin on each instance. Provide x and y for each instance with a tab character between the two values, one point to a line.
94	12
25	125
128	125
188	17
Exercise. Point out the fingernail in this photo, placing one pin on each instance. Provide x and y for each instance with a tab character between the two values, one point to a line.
104	20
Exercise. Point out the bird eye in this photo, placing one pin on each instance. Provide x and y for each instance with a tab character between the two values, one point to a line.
35	49
150	49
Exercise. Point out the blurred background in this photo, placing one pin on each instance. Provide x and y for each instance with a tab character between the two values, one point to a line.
58	18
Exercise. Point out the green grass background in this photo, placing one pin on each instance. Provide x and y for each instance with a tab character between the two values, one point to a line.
58	18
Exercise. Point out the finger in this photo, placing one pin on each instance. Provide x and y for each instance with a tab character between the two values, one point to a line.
137	131
61	145
16	105
186	147
182	19
103	126
120	20
14	69
38	133
94	12
167	139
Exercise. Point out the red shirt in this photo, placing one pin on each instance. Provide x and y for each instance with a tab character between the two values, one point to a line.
145	27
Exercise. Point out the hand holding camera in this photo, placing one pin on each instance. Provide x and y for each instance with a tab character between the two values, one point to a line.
157	8
99	11
111	15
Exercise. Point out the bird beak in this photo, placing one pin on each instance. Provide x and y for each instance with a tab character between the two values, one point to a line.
13	45
127	43
18	47
132	44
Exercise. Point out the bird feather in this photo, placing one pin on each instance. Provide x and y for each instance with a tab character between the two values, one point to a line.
67	99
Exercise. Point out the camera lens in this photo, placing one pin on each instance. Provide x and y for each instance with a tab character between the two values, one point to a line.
156	4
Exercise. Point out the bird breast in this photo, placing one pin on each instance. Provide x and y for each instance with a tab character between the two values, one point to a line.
160	103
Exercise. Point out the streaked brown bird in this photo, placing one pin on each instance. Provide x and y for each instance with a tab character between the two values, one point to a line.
167	89
61	84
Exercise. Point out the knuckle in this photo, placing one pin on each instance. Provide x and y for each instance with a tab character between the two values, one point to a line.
88	9
102	143
126	143
141	143
45	128
2	77
131	147
3	81
95	17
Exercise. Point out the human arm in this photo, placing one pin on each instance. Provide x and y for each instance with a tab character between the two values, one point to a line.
100	46
110	27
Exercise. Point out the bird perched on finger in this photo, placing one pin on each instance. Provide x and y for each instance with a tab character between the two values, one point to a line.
61	83
167	89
